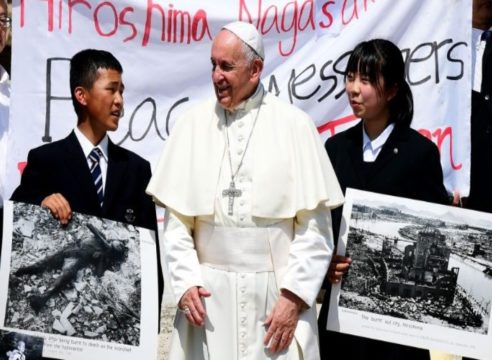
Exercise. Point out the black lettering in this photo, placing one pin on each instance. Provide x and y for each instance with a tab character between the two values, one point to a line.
273	86
414	59
325	77
436	57
131	133
310	72
339	68
50	97
459	61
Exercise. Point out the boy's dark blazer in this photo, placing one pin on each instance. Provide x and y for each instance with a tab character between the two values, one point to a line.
61	167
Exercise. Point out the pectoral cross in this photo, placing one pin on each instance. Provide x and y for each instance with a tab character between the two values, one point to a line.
232	192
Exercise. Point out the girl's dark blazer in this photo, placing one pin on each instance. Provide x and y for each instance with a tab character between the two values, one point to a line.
407	166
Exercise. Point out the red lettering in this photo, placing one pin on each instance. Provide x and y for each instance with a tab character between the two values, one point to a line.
266	17
71	5
438	136
115	19
325	11
60	16
354	14
21	166
200	17
169	23
148	22
293	27
291	17
185	20
190	27
441	135
131	25
22	13
365	4
244	8
310	15
333	124
51	16
352	10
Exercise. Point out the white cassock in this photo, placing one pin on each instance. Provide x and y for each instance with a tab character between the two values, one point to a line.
279	235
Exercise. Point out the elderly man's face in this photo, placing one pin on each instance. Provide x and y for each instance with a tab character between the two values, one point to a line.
233	78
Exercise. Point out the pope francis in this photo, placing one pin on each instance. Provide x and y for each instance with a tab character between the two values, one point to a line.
248	189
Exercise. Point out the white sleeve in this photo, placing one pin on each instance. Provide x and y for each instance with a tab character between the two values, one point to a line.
180	254
310	253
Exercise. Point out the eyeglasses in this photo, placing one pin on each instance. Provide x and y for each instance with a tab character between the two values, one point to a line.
5	22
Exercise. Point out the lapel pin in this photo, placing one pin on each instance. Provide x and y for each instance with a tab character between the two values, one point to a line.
129	215
395	151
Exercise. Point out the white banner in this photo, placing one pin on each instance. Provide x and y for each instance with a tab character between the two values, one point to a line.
164	48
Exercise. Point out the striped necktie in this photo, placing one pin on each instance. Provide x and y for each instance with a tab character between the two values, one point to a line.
94	157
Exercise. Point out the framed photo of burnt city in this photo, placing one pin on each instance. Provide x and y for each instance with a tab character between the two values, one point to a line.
81	287
421	274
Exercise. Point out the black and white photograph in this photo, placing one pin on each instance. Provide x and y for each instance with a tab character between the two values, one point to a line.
16	346
415	266
82	280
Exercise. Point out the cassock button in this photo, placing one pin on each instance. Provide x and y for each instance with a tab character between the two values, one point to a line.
487	97
395	151
240	151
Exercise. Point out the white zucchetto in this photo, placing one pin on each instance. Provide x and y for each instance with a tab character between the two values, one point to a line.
248	34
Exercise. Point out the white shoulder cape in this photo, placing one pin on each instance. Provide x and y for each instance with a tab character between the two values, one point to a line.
291	170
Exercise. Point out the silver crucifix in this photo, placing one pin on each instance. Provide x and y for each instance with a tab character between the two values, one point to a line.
232	192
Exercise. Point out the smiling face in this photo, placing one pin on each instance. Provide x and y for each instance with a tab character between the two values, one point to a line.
102	103
369	101
234	78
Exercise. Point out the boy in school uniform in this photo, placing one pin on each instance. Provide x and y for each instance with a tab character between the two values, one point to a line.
86	172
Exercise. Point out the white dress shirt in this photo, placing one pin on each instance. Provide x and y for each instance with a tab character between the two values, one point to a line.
478	48
371	149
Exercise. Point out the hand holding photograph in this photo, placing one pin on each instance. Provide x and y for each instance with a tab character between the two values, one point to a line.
81	286
421	274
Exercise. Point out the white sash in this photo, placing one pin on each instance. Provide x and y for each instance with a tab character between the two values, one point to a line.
238	249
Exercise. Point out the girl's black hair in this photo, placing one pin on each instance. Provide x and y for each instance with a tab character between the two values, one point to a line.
380	57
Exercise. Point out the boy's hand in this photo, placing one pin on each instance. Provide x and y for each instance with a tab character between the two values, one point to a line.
59	207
